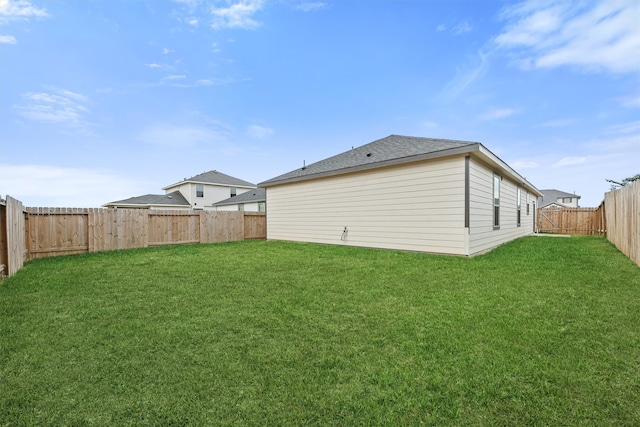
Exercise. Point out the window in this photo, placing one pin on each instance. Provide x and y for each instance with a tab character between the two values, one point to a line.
199	190
519	205
241	207
496	201
233	191
261	207
566	200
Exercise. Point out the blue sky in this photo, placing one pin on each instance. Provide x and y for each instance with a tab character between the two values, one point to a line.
105	100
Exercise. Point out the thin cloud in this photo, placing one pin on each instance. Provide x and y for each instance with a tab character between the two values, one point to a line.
524	164
557	123
237	15
176	136
441	27
597	37
461	28
214	81
497	113
428	124
569	161
7	39
259	132
175	77
630	101
15	10
466	75
625	128
311	6
46	185
58	106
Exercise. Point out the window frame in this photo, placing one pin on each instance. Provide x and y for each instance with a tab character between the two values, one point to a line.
199	190
496	201
233	191
519	206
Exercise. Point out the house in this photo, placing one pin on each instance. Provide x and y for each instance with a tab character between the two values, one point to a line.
402	192
198	192
173	200
557	198
250	201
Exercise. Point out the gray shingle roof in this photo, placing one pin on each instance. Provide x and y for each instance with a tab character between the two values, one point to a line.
173	199
393	149
215	177
552	196
251	196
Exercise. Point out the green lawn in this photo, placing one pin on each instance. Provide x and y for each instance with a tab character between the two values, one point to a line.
541	331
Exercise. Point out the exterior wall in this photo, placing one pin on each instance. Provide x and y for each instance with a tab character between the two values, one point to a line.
212	194
163	208
248	207
572	204
418	206
482	235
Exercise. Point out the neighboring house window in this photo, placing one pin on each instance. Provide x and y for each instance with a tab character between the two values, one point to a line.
199	190
496	201
233	191
241	207
566	200
519	203
261	207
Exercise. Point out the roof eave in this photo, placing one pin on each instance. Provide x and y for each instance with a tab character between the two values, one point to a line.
143	205
391	162
206	183
239	202
508	170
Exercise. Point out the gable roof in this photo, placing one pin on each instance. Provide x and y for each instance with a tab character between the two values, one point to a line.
172	199
552	196
214	177
394	150
251	196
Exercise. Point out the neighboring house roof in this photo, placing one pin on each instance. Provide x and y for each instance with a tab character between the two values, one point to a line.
552	196
392	150
252	196
172	199
214	177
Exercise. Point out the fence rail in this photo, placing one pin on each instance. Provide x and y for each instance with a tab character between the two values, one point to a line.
623	219
29	233
585	221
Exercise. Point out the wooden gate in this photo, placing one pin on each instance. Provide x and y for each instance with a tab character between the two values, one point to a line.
587	221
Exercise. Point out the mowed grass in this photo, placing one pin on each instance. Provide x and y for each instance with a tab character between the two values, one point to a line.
540	331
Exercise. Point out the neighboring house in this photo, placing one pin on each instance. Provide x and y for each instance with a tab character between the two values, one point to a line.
198	192
174	200
400	192
250	201
557	198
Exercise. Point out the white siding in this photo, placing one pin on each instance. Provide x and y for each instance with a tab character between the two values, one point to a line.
212	194
418	206
248	207
482	235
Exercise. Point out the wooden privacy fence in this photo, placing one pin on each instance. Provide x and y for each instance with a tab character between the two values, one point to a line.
28	233
623	219
62	231
13	249
587	221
